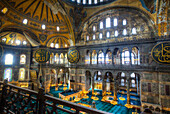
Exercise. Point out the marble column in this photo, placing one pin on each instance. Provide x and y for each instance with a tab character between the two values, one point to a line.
115	90
92	82
128	90
103	87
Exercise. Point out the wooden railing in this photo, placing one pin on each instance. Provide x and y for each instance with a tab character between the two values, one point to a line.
17	100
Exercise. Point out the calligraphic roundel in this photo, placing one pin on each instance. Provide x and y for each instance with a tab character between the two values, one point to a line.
42	55
73	55
161	53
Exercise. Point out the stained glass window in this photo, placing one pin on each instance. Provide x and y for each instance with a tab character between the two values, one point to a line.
8	74
21	74
22	59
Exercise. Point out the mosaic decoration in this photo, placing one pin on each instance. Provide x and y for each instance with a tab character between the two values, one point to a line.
8	74
149	6
42	55
161	53
1	51
73	55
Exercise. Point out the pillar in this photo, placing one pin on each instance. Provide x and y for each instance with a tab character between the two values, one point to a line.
128	90
115	90
103	87
92	81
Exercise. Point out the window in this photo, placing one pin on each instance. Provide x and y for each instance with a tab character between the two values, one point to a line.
25	21
122	82
78	1
87	38
58	28
101	25
101	0
22	59
24	42
56	58
18	42
65	45
66	61
94	28
122	74
115	22
95	1
21	74
90	1
57	45
52	45
61	58
109	58
43	26
116	33
132	75
4	10
8	74
108	22
3	39
133	83
135	57
94	37
8	59
133	30
100	35
108	34
124	21
124	32
94	57
116	56
87	57
125	57
84	1
101	57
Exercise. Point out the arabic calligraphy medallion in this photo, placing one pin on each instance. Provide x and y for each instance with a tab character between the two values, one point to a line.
73	55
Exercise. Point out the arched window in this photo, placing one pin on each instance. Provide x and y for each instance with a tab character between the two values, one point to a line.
56	58
94	28
52	58
124	32
78	1
84	1
66	60
124	21
108	34
87	57
8	74
8	59
133	83
94	36
95	1
22	59
116	56
108	22
94	57
132	75
56	45
21	74
101	25
100	35
101	57
135	57
101	0
52	45
122	74
87	38
61	58
116	33
115	22
90	1
125	57
122	82
109	58
134	30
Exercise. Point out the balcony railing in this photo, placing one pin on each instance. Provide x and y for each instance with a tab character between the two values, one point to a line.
17	100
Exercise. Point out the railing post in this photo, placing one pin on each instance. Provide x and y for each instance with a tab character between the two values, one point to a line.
3	96
41	100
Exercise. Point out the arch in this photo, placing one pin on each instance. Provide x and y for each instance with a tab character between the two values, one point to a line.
135	56
100	57
125	56
94	57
